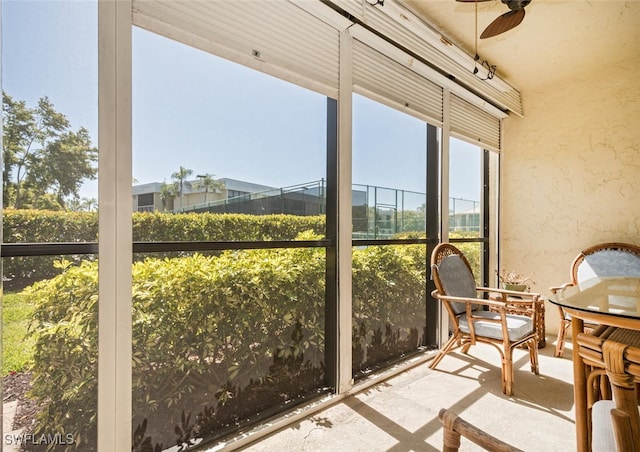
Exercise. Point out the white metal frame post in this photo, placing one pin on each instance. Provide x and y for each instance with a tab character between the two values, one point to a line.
344	248
115	225
443	330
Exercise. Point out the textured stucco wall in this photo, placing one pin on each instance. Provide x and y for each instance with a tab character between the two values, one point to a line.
571	174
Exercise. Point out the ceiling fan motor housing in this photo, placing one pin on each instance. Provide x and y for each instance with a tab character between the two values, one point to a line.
515	5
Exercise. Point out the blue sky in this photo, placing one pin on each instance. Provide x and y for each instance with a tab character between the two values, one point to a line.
199	111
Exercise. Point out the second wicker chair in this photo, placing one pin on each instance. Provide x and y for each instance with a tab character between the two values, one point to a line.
504	322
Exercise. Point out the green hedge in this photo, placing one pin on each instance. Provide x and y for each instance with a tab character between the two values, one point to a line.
389	295
149	227
40	226
216	339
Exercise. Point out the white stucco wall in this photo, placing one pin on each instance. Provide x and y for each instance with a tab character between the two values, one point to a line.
571	174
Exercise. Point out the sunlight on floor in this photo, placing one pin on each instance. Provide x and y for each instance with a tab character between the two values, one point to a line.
401	413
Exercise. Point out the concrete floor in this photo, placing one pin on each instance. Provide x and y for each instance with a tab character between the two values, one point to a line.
401	413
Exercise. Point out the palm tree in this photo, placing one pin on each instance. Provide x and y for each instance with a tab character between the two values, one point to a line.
89	204
208	182
82	204
180	177
167	193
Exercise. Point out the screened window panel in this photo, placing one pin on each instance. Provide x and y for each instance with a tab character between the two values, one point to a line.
474	125
275	37
389	82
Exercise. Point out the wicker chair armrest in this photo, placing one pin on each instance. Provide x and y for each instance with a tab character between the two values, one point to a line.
557	289
513	293
497	304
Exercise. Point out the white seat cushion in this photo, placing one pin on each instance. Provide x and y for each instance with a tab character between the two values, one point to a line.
518	325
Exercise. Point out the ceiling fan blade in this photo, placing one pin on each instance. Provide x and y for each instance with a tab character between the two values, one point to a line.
503	23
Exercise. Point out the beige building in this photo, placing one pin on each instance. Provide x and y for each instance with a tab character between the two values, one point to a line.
149	197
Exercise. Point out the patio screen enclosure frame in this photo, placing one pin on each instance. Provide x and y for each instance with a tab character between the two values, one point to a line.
340	57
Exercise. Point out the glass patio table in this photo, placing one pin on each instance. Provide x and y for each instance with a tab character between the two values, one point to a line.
613	301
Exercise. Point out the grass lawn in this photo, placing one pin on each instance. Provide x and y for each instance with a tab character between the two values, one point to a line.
17	348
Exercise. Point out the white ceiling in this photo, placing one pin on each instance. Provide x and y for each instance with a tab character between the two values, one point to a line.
558	40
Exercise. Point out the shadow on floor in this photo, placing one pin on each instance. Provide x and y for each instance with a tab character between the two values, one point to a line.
401	414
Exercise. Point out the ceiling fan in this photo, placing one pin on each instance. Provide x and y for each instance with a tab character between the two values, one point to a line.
506	21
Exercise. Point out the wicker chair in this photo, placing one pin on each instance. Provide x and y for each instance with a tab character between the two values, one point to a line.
605	259
508	324
454	427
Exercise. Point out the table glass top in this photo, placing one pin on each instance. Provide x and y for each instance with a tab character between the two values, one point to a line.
618	296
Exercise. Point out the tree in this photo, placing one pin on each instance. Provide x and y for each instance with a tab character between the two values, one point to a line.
62	166
180	177
18	135
83	205
45	162
208	182
167	194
